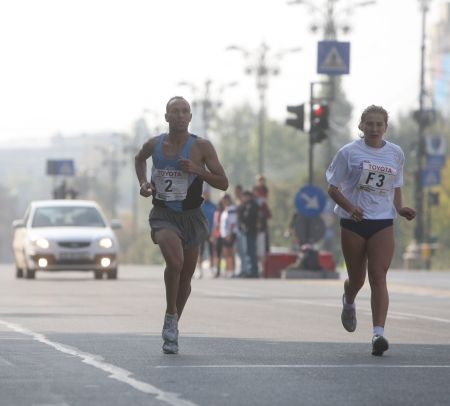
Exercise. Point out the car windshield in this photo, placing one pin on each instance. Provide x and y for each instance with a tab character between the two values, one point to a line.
64	216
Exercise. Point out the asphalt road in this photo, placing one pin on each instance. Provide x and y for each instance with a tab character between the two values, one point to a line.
67	339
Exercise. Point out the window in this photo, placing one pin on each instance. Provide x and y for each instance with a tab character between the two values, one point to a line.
64	216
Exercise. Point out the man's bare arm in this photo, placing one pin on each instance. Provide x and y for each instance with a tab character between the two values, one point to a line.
140	165
214	173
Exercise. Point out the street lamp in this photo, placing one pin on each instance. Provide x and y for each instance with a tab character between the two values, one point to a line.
206	102
329	14
261	69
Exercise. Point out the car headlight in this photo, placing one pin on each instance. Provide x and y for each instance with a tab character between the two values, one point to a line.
42	243
105	242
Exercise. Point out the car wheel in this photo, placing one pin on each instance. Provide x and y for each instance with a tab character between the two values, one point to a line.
30	273
112	273
19	273
98	274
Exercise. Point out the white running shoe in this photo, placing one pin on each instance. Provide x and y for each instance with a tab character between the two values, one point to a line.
348	317
170	334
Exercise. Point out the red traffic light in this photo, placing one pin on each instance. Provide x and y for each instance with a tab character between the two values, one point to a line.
319	117
320	110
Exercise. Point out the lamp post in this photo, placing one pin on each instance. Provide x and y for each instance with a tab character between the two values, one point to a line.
206	101
329	14
261	69
419	201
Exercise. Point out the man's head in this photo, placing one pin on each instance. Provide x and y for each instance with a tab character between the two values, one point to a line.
260	189
178	114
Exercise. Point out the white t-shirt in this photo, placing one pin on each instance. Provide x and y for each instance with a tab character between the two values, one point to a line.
228	222
367	177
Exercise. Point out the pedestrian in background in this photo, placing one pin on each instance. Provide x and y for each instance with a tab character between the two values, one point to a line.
248	223
228	229
241	242
208	209
181	163
217	240
365	180
260	189
264	215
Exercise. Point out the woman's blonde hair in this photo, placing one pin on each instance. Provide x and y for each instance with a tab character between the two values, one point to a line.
373	109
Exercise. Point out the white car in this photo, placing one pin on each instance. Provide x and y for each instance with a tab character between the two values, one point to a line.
65	235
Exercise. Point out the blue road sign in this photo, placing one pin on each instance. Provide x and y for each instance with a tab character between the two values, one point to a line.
430	177
333	57
436	145
435	161
64	167
310	201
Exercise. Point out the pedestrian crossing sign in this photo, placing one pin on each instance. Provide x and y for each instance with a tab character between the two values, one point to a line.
333	57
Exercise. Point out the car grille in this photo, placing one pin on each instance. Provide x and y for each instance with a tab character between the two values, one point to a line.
74	244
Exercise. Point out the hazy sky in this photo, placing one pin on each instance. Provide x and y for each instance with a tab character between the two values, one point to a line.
75	66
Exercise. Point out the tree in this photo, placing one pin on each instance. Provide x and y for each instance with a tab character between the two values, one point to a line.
236	143
286	152
8	203
404	133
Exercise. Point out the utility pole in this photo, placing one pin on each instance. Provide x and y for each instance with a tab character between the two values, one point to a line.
422	122
262	69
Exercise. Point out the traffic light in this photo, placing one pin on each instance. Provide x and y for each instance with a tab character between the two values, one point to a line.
319	122
298	122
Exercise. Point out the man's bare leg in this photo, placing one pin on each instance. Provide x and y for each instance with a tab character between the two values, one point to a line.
172	251
184	287
171	248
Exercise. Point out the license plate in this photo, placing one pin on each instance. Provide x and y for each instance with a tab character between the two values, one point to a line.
74	255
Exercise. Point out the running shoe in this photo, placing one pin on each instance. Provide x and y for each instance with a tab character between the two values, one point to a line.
348	317
170	334
170	347
379	345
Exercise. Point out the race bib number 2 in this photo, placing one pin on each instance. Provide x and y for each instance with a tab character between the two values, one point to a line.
171	184
377	178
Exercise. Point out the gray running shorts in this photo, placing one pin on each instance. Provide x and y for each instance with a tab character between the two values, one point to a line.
190	225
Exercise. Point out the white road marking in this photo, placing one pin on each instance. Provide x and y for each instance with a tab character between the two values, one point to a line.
395	314
4	361
397	317
421	316
304	366
96	361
